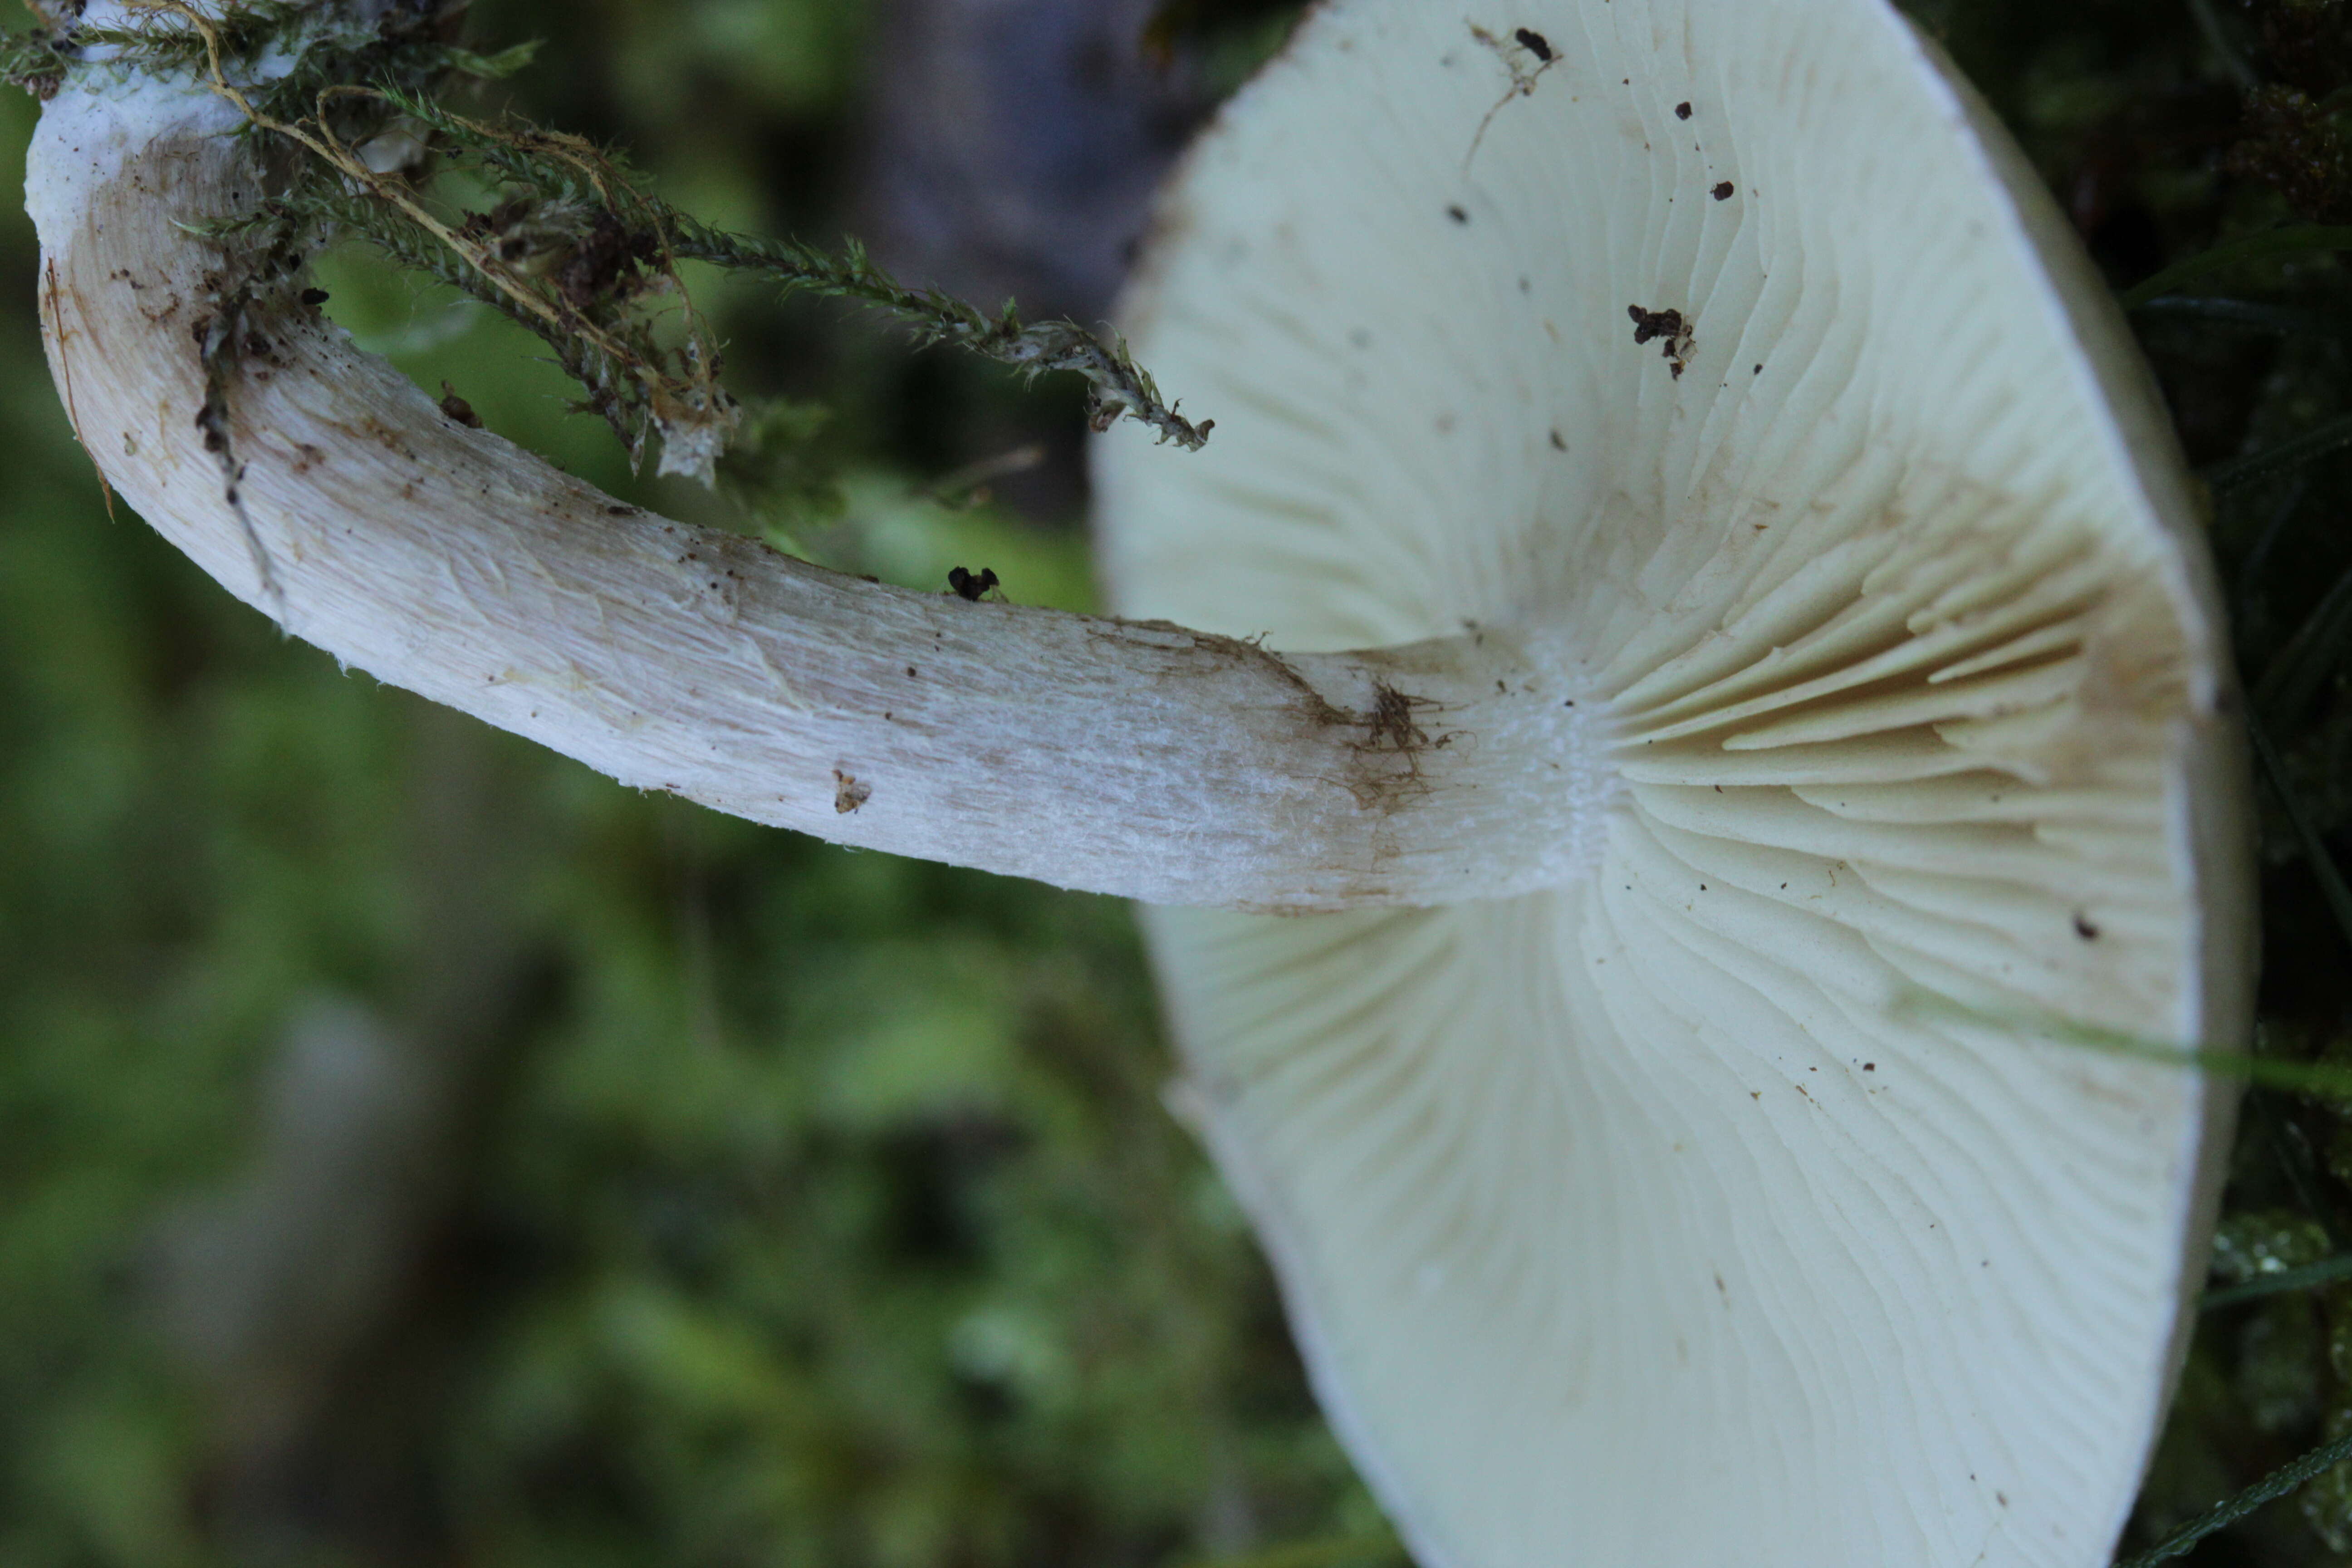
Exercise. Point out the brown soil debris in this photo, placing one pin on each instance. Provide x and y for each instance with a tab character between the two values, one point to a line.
1391	724
457	408
1669	328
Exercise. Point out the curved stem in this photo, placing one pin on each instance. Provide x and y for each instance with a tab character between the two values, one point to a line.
1137	759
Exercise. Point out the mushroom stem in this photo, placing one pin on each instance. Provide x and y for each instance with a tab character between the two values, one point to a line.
1138	759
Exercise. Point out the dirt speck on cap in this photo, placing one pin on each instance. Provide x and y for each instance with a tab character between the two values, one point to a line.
1669	328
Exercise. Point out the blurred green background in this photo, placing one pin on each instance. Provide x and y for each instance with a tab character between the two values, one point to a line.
414	1150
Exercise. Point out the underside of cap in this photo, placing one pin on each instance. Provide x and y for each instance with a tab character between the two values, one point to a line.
1800	1188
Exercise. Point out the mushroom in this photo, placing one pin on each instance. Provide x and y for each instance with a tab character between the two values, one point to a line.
1757	1194
1753	716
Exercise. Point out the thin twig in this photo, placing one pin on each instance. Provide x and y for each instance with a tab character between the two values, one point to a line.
2222	1515
2314	847
2310	1277
2259	247
2254	315
2328	1080
2292	1150
2217	38
2258	559
326	147
2296	671
1523	82
2308	448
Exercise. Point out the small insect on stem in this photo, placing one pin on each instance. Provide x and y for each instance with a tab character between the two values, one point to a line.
457	408
972	586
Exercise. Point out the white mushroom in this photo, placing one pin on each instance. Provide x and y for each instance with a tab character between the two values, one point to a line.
1752	1196
1149	761
1815	761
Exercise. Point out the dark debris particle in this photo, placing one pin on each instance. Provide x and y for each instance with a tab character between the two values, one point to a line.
1671	329
314	297
455	407
1535	43
1722	193
1391	722
1650	325
970	587
2083	928
1558	442
1682	111
1458	214
610	259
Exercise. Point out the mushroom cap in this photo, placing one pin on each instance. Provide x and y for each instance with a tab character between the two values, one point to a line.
1798	1185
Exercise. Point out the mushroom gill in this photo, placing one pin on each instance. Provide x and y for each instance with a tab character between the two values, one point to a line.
1795	1185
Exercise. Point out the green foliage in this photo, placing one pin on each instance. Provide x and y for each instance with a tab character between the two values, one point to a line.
793	1205
818	1206
564	240
570	245
1117	386
579	212
321	49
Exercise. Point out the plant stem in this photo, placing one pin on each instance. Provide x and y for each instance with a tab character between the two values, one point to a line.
2263	246
2321	441
2310	1277
2222	1515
